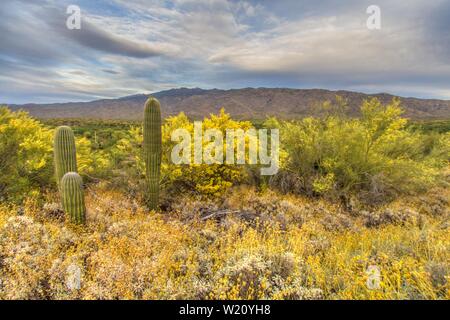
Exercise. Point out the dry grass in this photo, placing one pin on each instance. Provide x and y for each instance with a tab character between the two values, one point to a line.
282	248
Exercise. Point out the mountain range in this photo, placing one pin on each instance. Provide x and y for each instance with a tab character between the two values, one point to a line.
247	103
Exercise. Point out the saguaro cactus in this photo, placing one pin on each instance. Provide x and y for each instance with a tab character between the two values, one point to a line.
73	197
152	149
65	155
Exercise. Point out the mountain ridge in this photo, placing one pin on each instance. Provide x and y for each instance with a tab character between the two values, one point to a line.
245	103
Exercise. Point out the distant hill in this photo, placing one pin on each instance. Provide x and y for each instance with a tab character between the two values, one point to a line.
246	103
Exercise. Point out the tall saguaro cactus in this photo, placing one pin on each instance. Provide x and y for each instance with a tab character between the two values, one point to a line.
73	197
65	155
152	149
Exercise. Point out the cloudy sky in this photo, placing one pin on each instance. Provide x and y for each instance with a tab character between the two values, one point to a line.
126	47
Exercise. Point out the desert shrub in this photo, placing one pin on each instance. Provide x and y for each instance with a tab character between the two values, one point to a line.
25	155
212	179
202	179
374	156
92	163
23	246
124	252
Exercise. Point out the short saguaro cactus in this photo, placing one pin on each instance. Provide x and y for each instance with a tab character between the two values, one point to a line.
72	197
152	149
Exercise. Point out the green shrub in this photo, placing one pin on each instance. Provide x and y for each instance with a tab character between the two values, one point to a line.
374	156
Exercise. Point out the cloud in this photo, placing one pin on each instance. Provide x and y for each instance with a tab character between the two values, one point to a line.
320	45
437	30
96	38
110	71
339	52
133	46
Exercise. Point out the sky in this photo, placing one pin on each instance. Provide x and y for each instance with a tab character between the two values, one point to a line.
126	47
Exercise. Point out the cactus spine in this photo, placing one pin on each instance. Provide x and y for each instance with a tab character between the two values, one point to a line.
152	149
73	197
65	156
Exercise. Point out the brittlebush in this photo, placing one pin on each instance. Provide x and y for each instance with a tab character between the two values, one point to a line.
211	180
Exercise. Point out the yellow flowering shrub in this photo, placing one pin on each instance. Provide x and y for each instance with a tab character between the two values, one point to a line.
25	155
213	179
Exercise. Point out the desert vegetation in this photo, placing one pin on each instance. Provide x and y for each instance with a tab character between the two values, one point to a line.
104	199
